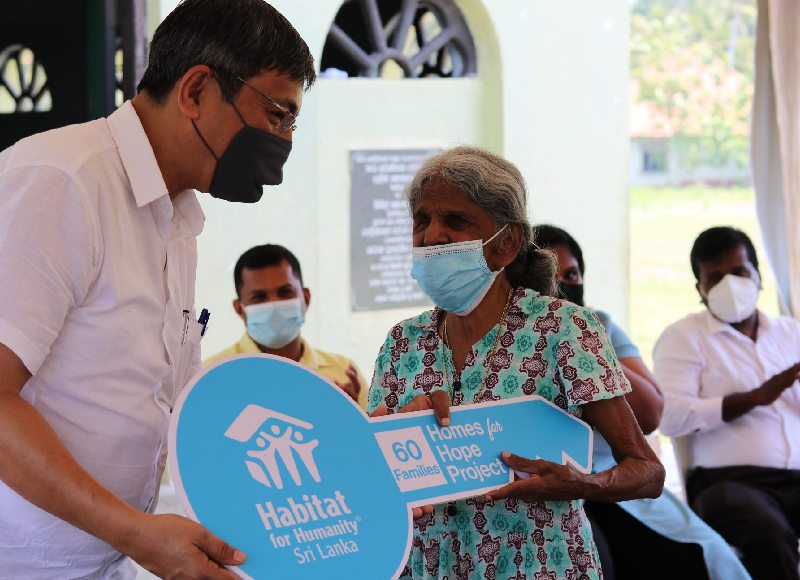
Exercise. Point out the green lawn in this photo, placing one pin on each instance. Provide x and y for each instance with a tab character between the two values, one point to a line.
664	224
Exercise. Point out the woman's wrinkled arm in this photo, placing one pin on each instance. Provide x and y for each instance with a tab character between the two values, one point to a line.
638	472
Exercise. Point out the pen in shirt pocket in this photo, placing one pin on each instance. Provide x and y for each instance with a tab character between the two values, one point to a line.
205	315
202	321
185	326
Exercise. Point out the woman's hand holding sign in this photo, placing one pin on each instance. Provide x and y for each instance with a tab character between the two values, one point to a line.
540	480
638	471
439	401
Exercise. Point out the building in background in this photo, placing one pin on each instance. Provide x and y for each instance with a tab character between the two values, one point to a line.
664	152
690	91
541	83
67	62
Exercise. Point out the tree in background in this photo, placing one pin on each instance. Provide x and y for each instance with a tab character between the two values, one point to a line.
692	60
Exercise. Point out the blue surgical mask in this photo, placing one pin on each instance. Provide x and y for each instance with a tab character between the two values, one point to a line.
275	324
454	276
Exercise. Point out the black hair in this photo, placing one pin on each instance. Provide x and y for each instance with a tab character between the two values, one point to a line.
235	38
714	242
548	236
264	257
535	269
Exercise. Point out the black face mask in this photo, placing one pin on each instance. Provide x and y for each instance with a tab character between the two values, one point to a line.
572	292
253	158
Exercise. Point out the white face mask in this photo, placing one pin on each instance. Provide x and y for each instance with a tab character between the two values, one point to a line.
733	298
455	276
275	324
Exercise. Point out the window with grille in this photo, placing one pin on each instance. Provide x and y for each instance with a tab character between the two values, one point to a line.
399	39
23	82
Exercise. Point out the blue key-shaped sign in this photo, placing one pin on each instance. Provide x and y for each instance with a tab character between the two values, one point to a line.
283	465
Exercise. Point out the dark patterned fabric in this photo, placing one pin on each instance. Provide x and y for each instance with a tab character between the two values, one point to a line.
549	347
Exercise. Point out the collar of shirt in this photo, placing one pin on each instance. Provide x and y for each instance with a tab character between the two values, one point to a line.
429	321
142	168
715	325
310	358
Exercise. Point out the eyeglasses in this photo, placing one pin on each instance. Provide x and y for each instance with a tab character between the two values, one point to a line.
287	121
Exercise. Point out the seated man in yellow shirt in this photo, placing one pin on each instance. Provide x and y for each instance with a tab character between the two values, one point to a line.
272	302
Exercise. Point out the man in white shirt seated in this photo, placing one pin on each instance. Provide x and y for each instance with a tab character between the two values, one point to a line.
272	302
729	376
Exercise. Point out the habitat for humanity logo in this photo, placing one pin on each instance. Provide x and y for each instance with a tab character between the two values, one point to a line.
276	437
313	527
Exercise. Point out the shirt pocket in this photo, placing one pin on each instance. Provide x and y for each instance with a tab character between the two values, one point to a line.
187	355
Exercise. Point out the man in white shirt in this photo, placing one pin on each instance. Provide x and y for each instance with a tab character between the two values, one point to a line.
98	226
729	376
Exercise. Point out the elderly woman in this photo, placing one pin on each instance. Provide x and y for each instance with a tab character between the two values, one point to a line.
495	334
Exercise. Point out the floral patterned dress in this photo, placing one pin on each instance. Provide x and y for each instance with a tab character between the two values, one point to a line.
548	347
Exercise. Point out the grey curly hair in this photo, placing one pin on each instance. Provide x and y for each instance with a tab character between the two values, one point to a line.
498	187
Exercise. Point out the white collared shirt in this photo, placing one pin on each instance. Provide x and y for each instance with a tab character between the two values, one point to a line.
98	266
699	359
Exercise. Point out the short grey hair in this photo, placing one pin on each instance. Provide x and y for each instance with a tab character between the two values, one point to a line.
487	179
498	187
